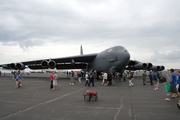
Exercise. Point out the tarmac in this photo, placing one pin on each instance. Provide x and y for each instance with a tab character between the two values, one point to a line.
35	101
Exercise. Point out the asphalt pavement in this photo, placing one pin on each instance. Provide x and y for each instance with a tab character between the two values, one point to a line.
35	101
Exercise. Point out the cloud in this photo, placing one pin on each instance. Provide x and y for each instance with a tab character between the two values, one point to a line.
141	26
170	56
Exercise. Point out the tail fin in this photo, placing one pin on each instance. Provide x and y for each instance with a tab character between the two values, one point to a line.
81	50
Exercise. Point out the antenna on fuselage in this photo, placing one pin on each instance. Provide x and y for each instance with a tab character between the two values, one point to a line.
81	50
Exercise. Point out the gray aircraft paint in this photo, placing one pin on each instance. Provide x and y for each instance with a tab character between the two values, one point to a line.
111	60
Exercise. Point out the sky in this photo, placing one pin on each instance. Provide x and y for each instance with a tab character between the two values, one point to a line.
41	29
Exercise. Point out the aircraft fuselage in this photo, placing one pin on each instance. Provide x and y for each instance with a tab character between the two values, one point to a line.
112	59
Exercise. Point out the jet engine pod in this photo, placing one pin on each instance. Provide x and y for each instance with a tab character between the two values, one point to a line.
149	65
52	64
13	66
45	64
20	66
157	68
140	66
162	68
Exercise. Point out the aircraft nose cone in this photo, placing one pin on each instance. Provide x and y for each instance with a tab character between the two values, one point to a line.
126	56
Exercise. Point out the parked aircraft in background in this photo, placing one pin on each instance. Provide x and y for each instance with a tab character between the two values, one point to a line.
114	59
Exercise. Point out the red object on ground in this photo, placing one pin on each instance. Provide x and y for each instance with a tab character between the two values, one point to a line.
91	92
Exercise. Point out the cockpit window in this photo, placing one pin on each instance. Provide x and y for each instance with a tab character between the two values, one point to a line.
110	50
117	49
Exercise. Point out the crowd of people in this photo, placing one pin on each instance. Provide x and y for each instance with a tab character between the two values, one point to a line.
90	78
107	77
172	86
155	78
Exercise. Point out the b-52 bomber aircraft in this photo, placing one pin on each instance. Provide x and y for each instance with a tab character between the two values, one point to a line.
114	59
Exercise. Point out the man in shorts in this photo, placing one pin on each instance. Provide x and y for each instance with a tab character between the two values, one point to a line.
18	78
173	84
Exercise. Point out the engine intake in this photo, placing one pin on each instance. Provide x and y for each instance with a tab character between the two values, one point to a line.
52	64
48	64
44	64
13	66
20	66
149	65
162	68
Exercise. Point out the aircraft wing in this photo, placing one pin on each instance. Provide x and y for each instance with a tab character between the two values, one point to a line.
136	65
72	62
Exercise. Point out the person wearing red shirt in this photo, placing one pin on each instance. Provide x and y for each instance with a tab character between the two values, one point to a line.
51	76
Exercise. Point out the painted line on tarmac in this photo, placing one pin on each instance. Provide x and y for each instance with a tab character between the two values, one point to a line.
104	108
43	103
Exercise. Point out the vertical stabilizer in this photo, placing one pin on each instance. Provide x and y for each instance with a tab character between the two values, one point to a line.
81	50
